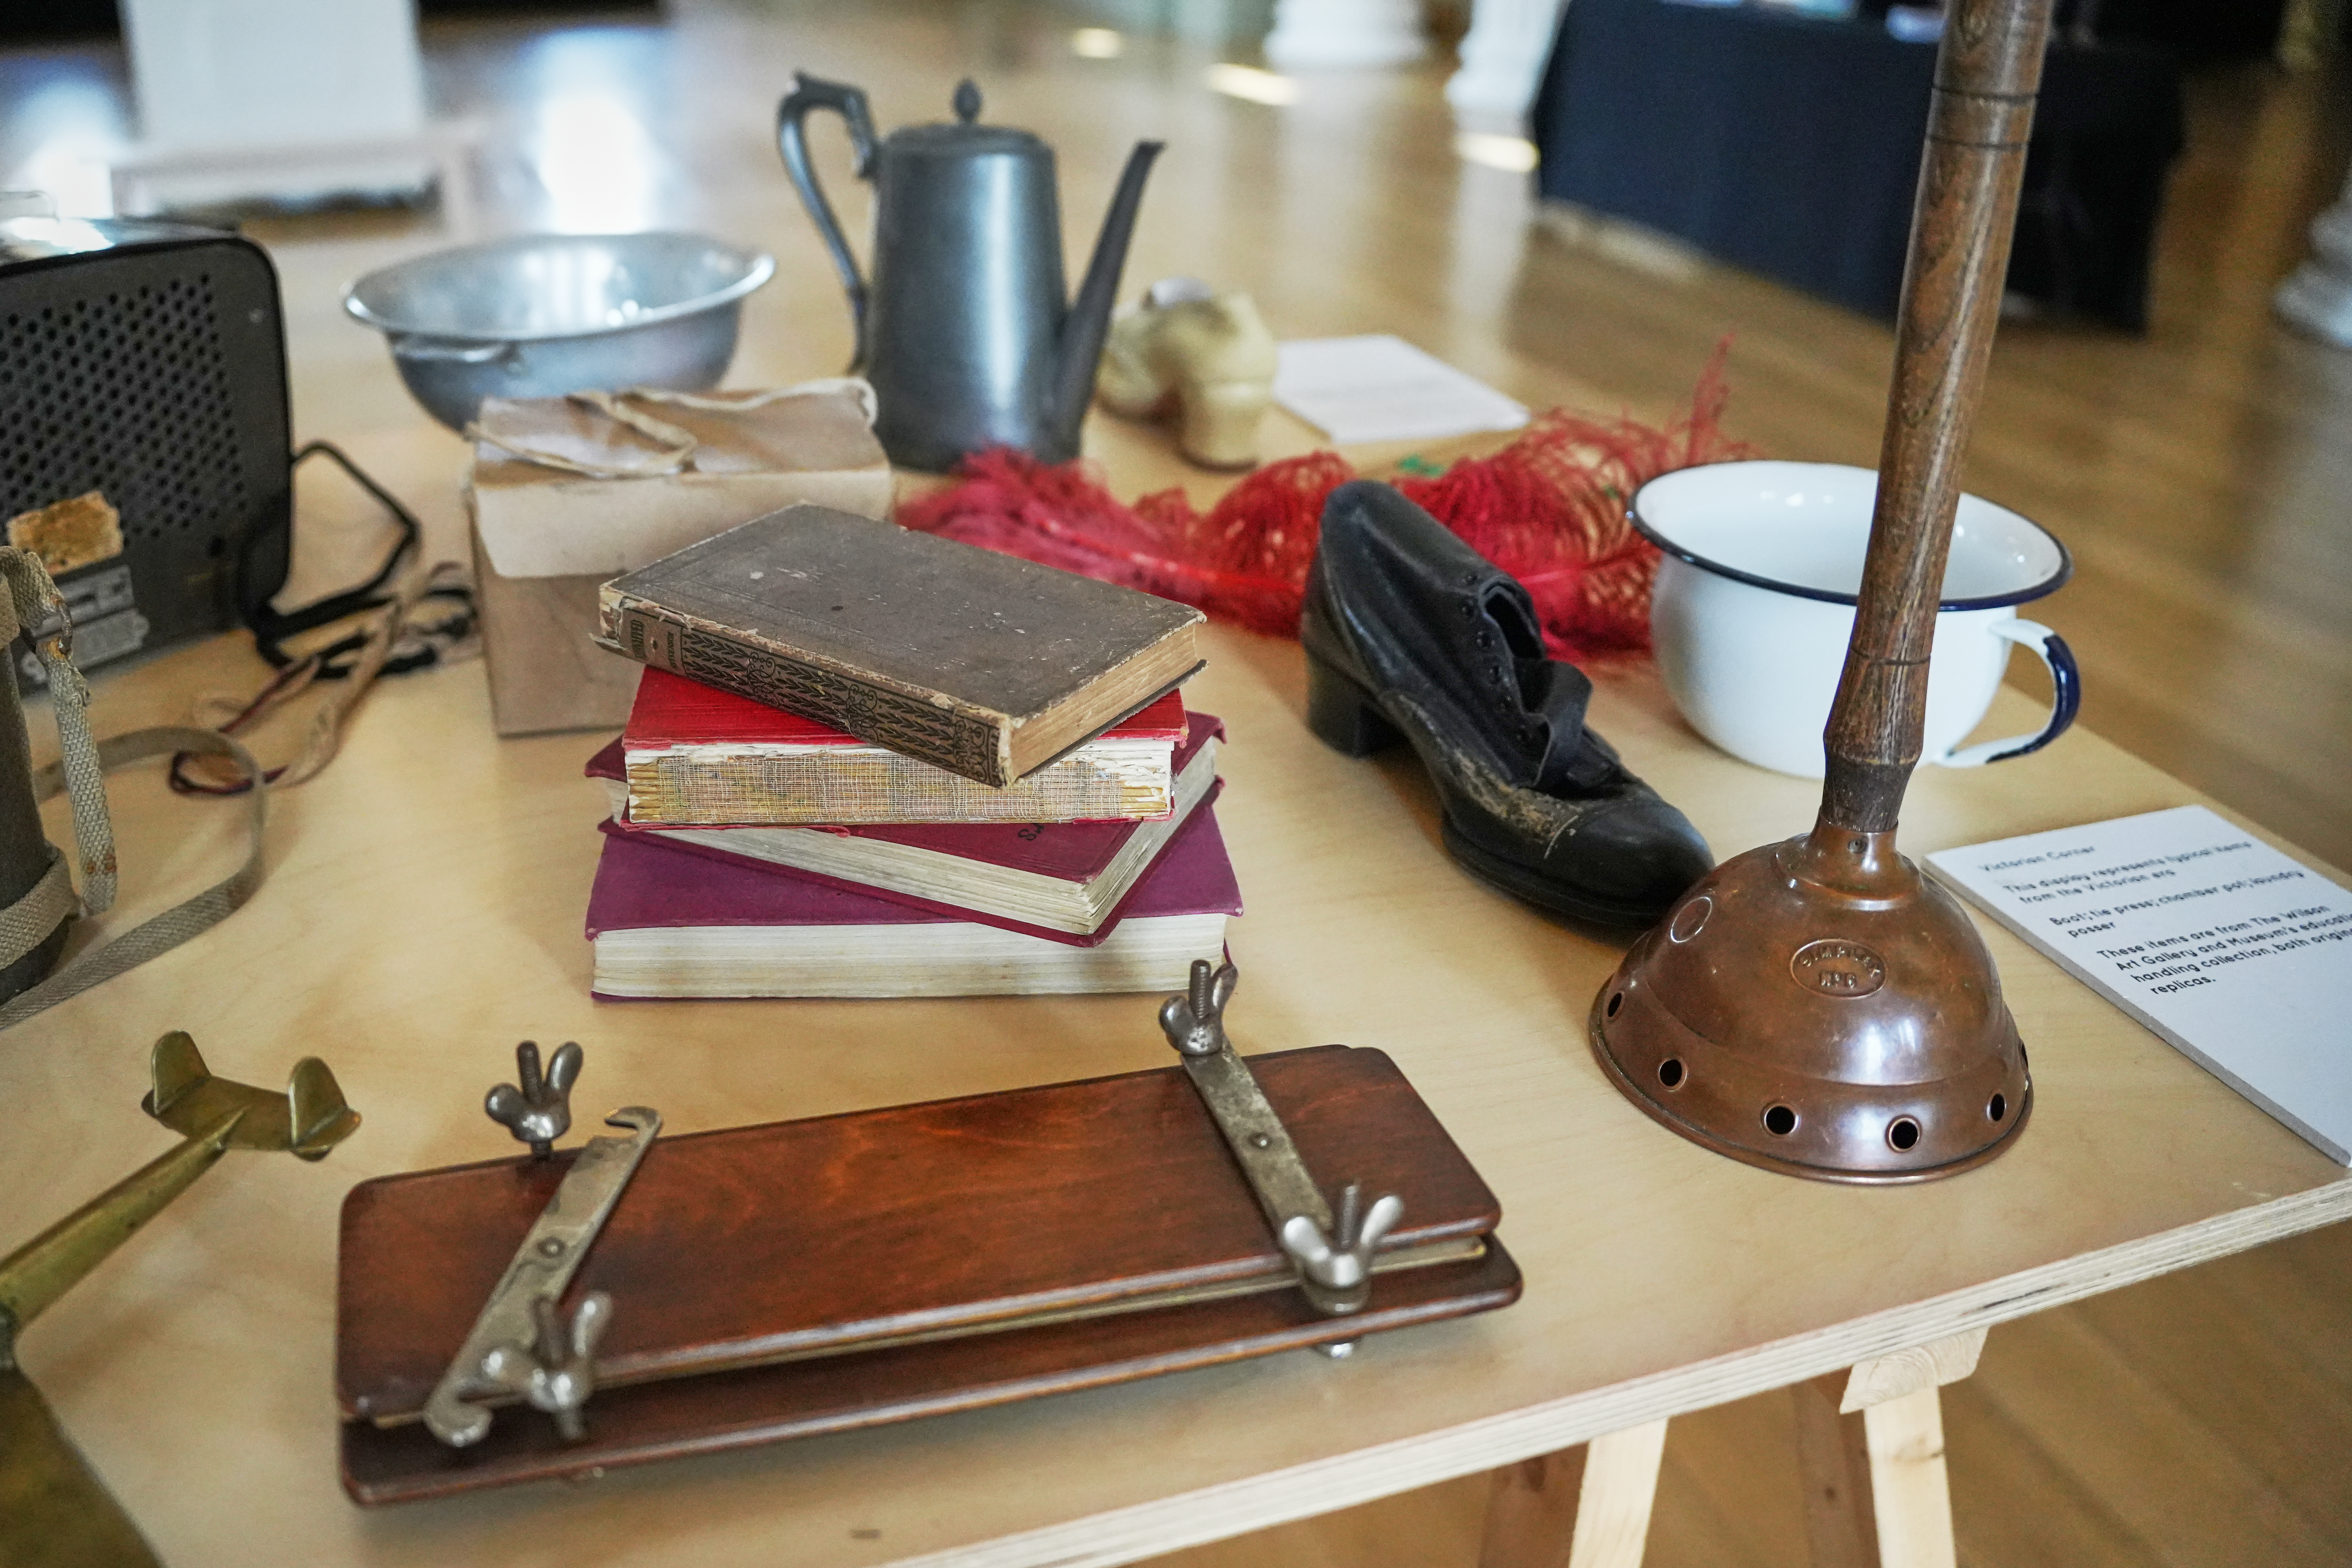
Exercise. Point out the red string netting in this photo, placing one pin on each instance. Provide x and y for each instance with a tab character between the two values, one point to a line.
1549	509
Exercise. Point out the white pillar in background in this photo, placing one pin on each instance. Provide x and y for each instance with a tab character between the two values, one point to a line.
1322	35
1503	58
2318	298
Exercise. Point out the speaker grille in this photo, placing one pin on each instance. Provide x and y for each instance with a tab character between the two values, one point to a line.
125	392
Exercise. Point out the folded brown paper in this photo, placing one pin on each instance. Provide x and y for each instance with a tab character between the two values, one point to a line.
548	529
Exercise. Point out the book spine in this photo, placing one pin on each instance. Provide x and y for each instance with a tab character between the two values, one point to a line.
649	639
961	742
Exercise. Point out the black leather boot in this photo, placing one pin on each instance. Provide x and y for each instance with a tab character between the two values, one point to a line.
1410	633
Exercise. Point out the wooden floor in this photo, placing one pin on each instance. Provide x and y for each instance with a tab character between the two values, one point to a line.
2203	475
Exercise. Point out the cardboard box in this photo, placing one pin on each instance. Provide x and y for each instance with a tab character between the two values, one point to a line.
550	527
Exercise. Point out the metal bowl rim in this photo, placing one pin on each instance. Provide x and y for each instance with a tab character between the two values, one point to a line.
758	267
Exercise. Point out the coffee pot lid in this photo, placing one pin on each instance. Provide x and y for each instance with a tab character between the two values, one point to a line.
966	137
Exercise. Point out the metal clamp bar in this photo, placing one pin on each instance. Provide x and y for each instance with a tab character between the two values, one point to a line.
1334	1261
513	1328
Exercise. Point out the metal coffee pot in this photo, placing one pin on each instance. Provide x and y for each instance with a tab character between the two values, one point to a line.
964	331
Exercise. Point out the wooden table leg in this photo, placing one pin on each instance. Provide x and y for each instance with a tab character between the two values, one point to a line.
1871	1445
1587	1506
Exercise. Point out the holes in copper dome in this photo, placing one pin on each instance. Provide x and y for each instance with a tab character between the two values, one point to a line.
1690	919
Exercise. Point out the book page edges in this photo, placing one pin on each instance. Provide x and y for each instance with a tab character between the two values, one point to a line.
1126	688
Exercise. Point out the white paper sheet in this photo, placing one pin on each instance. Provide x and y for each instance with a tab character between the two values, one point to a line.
1382	388
2232	953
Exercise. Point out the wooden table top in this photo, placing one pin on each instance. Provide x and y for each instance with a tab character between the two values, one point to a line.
423	913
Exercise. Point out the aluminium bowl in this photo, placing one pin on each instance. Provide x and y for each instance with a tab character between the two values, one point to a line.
542	315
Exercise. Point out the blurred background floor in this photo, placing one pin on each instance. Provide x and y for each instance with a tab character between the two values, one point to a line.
2201	474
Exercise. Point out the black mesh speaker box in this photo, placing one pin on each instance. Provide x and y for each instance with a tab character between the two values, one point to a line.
147	361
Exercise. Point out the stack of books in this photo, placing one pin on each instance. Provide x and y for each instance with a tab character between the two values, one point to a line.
865	762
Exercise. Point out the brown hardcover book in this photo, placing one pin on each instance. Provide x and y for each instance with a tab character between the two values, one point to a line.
981	664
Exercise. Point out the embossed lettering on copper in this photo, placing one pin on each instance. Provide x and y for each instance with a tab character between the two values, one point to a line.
1836	968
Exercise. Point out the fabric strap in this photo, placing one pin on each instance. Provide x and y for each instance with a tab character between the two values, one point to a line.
33	605
390	627
27	922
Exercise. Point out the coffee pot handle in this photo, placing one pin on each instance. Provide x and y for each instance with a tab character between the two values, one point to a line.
809	93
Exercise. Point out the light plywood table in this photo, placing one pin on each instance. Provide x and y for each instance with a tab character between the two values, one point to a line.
423	913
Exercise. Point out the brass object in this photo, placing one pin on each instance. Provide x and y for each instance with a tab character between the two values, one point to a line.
540	1110
1333	1258
558	1372
306	1121
1819	1007
519	1347
54	1510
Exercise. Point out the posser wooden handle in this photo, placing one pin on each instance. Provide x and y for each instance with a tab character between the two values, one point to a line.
1987	73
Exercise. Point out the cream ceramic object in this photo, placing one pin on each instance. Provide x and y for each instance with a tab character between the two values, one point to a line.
1753	606
1206	358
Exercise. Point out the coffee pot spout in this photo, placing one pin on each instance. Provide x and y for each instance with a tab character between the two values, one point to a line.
1079	347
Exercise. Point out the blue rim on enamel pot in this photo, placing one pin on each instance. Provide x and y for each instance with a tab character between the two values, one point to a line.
1707	517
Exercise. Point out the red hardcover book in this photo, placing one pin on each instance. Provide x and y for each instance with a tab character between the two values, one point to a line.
1058	879
669	921
695	755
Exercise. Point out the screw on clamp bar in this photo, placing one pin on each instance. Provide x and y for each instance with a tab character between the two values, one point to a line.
540	1111
1333	1257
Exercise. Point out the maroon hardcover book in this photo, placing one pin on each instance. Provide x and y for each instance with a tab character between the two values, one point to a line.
1064	881
673	905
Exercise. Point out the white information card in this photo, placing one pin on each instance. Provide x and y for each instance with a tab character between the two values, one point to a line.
1382	388
2235	954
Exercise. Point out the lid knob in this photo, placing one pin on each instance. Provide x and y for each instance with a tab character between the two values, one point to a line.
966	101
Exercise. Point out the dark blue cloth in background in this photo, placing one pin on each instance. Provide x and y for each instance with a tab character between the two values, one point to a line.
1791	147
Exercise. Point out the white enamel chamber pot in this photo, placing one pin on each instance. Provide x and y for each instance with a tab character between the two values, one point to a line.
1754	607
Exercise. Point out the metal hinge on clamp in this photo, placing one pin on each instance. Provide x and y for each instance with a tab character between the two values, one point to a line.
1334	1257
520	1346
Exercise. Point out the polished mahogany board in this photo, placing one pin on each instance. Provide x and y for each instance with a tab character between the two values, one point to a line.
811	1239
726	1410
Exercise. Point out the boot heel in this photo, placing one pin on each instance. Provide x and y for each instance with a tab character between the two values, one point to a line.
1217	427
1341	716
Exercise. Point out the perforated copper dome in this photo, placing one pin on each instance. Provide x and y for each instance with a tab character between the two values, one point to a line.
1819	1007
